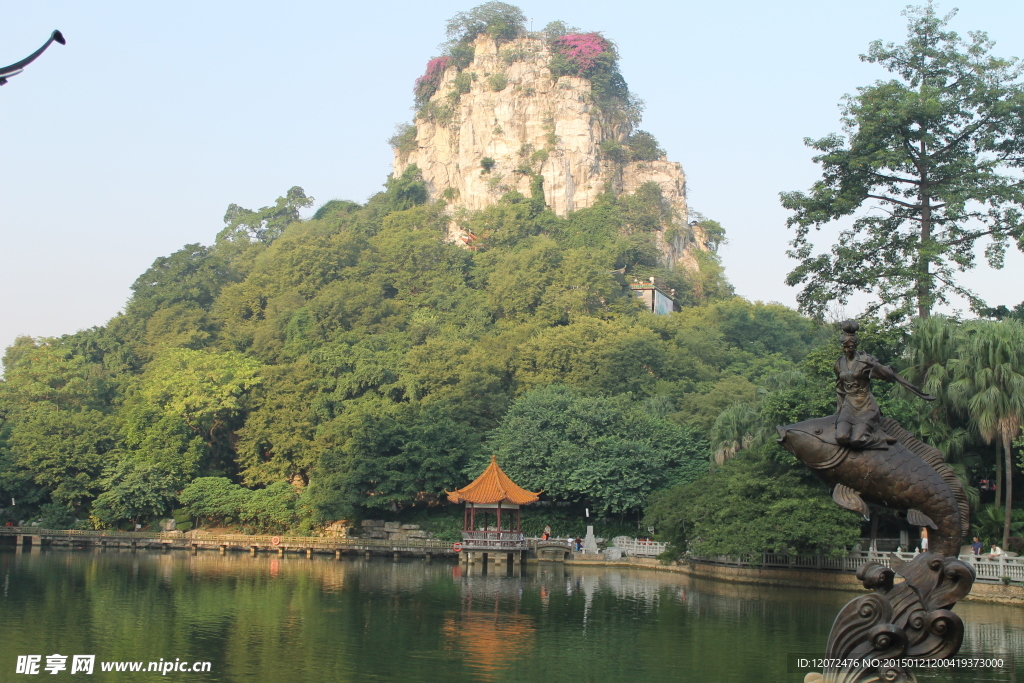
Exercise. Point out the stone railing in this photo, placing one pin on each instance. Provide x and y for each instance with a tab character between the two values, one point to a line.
85	533
988	569
639	547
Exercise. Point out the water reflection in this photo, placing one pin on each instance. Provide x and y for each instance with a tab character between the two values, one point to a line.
289	619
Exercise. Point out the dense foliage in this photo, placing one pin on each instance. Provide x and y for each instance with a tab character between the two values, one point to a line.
753	505
608	453
355	363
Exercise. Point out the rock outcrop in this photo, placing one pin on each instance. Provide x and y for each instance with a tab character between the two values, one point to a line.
504	120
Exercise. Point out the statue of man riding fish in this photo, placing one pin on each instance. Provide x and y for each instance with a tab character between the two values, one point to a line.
870	461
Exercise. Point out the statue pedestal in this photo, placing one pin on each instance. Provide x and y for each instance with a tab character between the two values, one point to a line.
590	542
906	620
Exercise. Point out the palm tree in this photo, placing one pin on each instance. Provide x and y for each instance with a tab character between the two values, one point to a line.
934	341
989	384
992	519
734	430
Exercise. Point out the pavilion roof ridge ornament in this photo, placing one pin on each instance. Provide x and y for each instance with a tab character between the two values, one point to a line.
493	486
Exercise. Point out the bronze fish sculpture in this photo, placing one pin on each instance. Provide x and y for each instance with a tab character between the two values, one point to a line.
904	475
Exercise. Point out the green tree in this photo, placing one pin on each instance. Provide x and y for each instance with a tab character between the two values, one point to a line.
270	510
992	524
191	275
989	384
266	224
208	391
935	150
64	451
134	492
215	499
606	452
752	505
644	147
735	430
501	21
381	455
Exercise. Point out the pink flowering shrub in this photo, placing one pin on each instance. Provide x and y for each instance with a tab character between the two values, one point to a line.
430	81
581	50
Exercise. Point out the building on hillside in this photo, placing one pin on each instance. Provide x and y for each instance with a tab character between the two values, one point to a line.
492	519
658	300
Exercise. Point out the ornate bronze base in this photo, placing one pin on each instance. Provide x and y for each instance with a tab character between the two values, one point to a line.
908	620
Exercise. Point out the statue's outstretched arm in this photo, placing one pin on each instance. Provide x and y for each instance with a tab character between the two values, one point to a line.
879	371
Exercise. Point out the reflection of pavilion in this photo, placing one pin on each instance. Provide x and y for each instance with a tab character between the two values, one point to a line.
493	497
491	640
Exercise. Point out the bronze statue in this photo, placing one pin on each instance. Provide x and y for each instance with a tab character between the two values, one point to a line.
857	414
870	460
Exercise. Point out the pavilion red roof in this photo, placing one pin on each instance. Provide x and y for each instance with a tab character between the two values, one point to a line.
493	486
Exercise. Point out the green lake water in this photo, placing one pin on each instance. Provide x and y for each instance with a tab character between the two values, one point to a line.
292	619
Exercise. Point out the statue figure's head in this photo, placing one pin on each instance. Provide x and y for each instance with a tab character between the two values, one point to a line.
848	339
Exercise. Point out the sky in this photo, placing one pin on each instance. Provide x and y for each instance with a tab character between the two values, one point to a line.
131	141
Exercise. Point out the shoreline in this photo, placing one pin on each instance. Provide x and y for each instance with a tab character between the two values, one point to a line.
790	578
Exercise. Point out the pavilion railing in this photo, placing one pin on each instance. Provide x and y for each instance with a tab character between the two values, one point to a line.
496	540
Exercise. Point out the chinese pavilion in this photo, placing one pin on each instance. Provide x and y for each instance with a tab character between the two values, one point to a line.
492	520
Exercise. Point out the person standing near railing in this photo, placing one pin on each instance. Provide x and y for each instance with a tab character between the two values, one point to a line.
976	547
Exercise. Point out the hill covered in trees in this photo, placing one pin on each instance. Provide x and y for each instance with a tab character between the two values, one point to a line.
359	363
356	362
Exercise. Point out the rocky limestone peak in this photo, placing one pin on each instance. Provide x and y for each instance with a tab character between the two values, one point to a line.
504	121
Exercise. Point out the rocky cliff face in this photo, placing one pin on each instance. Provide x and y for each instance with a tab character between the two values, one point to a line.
502	121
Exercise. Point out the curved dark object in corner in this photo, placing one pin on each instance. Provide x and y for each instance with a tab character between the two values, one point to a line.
16	68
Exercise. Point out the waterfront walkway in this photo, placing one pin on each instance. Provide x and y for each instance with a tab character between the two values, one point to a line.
32	537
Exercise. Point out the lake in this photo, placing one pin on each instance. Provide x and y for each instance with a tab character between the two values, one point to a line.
290	619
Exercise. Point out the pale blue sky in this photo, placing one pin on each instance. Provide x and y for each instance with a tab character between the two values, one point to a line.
132	140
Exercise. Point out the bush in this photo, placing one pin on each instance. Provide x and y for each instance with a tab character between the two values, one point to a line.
55	516
614	150
644	147
463	82
514	54
486	164
441	114
462	55
427	84
498	81
404	139
579	54
270	510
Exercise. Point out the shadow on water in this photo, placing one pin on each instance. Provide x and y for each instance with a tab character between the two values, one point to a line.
291	619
